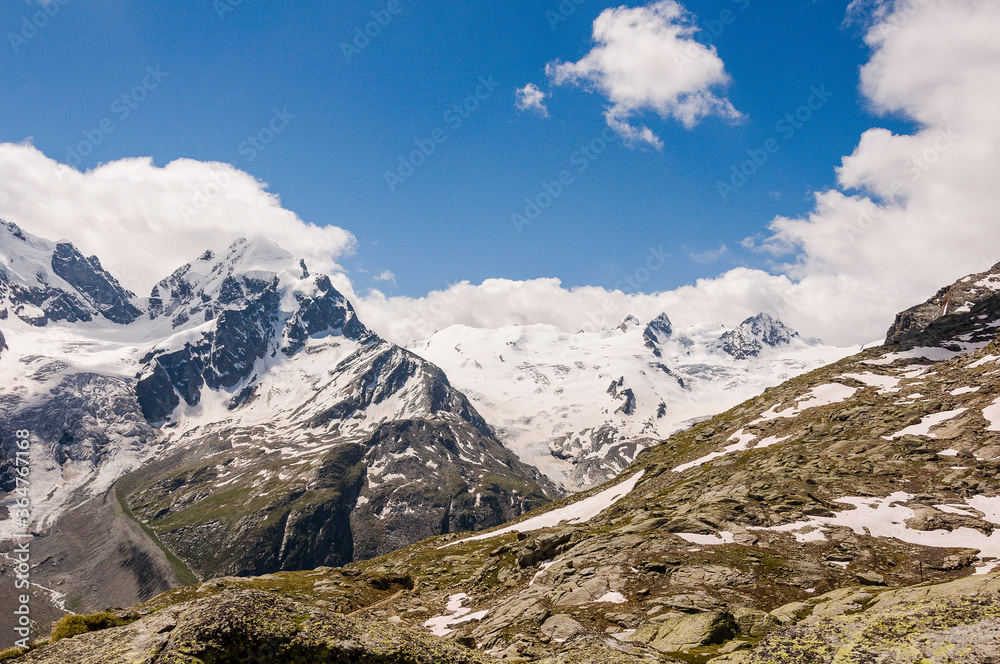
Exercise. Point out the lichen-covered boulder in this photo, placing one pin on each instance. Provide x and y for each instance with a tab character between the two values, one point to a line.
956	622
252	627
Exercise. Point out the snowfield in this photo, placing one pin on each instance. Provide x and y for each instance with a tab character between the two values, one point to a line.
581	406
923	428
578	512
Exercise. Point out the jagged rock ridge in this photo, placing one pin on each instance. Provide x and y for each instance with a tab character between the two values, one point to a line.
958	315
755	334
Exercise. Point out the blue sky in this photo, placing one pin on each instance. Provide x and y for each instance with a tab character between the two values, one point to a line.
343	119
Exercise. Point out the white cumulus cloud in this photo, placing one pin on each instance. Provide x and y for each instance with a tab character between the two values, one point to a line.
529	98
647	59
144	221
385	275
911	213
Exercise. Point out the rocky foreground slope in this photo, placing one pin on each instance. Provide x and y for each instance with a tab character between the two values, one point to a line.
848	515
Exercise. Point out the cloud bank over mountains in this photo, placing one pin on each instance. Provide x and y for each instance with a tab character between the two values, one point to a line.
910	211
144	221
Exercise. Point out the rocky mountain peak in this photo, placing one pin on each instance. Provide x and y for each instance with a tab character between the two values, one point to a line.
42	281
628	323
197	289
963	313
657	332
90	279
14	230
259	299
661	324
755	334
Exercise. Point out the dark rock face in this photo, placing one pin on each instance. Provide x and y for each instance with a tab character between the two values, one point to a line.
328	310
90	279
241	336
222	358
659	328
3	344
444	492
41	304
619	392
966	308
628	397
15	230
320	533
300	528
155	392
753	335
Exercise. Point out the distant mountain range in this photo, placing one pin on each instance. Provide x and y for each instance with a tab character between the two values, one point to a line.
580	407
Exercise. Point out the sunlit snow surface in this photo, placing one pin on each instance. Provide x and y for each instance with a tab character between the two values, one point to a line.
992	415
441	625
885	384
577	512
542	387
923	428
612	598
886	517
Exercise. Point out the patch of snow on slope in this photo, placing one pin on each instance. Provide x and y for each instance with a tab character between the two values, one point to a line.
923	428
885	384
933	354
771	440
577	512
983	361
612	598
738	446
886	517
821	395
724	537
440	625
992	415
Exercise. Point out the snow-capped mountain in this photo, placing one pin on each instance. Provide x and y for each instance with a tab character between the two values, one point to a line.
260	424
756	334
581	406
